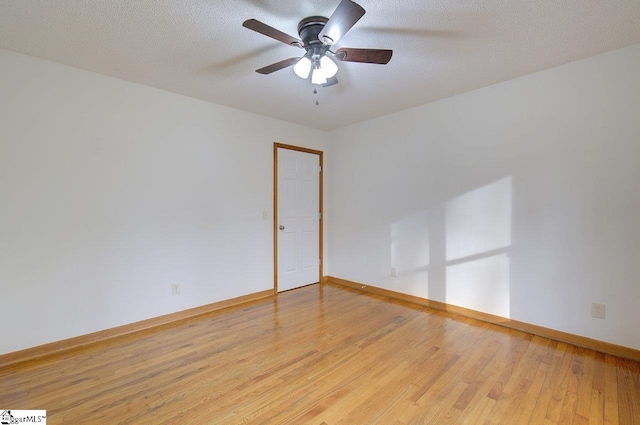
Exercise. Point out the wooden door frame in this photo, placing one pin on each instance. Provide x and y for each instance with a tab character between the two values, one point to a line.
320	154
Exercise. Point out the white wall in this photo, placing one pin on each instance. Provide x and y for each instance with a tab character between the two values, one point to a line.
521	199
111	191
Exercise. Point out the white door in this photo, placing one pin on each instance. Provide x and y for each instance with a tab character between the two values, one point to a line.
298	218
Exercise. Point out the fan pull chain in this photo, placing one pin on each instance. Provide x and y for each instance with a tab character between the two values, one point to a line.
315	91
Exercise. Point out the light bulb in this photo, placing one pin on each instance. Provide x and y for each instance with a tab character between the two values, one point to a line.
328	67
318	77
302	67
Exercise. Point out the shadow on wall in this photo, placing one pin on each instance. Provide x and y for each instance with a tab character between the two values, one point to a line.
458	252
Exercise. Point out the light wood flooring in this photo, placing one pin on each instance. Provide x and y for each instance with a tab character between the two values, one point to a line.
328	355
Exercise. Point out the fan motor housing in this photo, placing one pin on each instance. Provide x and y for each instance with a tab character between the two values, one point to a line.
309	28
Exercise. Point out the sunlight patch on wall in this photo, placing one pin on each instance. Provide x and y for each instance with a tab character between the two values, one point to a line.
410	243
478	238
410	253
479	221
481	285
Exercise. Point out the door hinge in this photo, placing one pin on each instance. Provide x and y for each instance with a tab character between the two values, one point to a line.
319	261
319	216
319	168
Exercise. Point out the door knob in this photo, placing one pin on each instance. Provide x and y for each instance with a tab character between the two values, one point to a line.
281	227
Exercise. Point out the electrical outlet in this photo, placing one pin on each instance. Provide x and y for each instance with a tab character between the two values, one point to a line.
597	310
175	289
394	272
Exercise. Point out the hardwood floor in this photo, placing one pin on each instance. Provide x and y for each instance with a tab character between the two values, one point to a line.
328	355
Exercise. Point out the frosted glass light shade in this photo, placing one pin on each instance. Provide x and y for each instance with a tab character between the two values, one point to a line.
328	67
302	67
318	76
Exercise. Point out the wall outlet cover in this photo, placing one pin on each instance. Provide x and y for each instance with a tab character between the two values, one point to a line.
598	310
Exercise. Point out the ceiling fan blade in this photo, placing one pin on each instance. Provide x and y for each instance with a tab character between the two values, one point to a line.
331	82
379	56
344	17
277	66
262	28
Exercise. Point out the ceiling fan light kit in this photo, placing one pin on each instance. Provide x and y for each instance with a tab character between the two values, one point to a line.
317	35
322	66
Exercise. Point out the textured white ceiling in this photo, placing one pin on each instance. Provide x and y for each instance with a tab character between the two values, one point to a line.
200	49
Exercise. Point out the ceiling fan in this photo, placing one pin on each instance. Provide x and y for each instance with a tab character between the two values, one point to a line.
317	35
